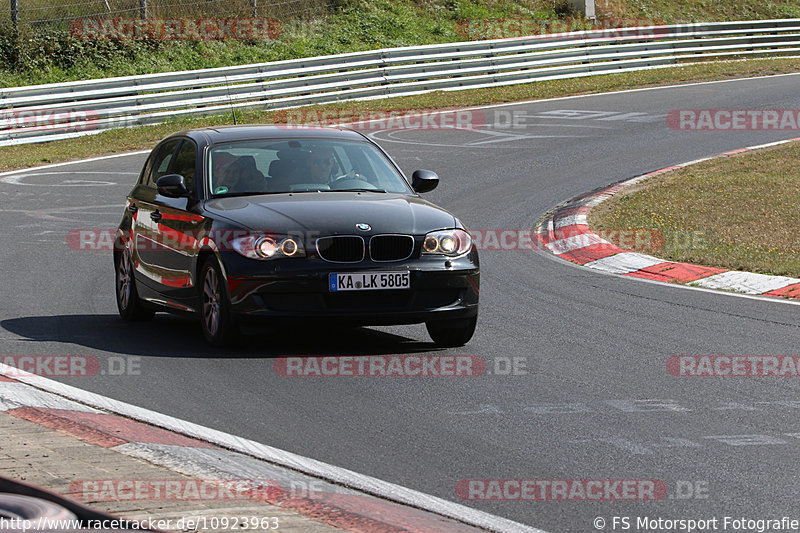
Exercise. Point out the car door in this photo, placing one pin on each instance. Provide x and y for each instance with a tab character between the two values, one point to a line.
147	251
177	226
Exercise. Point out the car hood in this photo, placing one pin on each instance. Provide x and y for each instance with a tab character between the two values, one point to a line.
333	213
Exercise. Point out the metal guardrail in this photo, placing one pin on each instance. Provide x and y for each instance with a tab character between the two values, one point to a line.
49	112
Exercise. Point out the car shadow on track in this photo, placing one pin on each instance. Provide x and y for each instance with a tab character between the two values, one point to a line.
171	336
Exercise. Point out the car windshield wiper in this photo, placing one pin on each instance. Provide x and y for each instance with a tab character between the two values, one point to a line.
358	190
254	193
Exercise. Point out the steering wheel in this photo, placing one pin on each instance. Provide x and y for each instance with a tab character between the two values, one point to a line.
351	180
352	175
356	183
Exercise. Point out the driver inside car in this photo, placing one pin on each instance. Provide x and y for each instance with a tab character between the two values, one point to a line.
236	174
224	179
321	163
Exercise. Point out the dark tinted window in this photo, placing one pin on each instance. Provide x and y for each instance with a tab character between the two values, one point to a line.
185	162
159	165
145	175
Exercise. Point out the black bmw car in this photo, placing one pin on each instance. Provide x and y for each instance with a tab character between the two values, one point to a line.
266	224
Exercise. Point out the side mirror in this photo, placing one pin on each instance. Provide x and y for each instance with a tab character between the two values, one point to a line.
423	180
172	186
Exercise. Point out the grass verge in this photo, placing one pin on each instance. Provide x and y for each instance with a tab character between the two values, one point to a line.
738	212
127	139
46	52
42	55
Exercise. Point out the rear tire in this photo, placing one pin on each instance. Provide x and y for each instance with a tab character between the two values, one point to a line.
130	306
452	333
219	327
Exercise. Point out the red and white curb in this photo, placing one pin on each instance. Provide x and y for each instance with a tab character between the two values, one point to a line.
341	498
565	233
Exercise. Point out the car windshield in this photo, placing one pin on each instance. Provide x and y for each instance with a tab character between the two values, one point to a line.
307	165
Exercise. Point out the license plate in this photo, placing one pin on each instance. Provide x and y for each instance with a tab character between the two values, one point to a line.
367	281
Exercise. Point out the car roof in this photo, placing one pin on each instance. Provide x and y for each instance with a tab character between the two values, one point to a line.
214	135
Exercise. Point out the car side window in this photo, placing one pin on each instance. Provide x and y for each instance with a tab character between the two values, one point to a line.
185	163
160	162
145	175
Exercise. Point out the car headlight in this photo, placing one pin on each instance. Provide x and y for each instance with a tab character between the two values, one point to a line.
268	246
449	242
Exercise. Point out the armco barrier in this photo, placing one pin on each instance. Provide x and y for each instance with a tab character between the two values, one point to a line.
48	112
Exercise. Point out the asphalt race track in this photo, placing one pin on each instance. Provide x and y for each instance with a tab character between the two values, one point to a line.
596	401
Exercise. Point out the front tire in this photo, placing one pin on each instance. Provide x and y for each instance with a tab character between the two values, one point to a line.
452	333
130	306
219	327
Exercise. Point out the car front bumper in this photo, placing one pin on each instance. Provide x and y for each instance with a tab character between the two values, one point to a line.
299	289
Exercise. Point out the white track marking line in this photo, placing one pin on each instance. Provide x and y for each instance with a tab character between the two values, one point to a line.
77	161
16	395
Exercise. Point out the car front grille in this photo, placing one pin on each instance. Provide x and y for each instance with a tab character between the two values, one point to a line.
392	300
359	302
341	248
391	247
